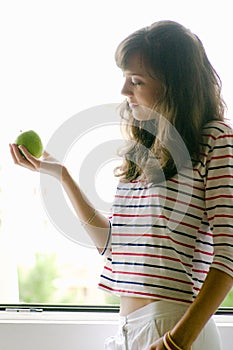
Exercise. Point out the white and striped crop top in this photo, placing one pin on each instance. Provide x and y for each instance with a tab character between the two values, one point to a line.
165	237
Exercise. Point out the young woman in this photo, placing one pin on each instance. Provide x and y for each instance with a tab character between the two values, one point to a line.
169	242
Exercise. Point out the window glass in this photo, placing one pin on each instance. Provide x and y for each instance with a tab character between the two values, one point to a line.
57	62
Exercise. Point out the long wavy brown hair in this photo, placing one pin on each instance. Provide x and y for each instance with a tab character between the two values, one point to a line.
192	97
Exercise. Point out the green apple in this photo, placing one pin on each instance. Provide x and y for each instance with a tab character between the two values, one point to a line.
32	141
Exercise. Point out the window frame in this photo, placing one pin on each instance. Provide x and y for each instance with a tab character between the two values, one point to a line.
113	309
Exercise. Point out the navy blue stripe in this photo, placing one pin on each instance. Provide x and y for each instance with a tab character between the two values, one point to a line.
220	186
224	257
198	280
207	127
147	285
152	266
202	261
205	243
157	206
137	225
220	167
167	188
152	246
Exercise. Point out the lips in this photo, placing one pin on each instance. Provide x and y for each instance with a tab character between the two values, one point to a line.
133	105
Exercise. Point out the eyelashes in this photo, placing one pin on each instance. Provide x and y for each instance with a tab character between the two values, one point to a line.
136	83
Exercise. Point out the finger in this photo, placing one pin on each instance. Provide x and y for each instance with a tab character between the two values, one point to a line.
47	156
22	157
13	154
29	157
16	154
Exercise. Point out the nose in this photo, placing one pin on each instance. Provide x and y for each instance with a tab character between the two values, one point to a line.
126	89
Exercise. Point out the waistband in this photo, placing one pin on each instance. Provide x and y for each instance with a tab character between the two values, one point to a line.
153	310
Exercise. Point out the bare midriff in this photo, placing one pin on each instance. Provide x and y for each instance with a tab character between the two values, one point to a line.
131	304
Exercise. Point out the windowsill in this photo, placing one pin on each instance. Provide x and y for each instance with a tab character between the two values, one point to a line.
80	318
57	317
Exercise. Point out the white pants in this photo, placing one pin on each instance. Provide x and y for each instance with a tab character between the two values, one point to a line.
143	327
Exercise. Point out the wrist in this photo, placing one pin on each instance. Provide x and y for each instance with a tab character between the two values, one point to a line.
64	175
170	344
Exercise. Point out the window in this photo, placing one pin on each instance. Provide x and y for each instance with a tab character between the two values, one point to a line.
58	61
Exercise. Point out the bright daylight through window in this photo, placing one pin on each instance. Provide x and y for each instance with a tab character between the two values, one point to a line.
58	63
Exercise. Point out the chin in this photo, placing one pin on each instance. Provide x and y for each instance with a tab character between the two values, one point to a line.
143	113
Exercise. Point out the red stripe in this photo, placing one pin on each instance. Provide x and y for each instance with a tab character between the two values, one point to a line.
222	123
159	217
203	252
209	135
222	157
225	136
219	137
153	256
221	264
149	275
210	234
136	235
162	197
201	271
220	196
221	216
155	236
220	177
205	155
156	296
187	184
223	235
138	215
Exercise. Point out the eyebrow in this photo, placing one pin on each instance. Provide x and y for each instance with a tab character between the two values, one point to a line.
134	73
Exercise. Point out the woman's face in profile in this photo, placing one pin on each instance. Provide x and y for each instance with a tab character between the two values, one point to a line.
141	90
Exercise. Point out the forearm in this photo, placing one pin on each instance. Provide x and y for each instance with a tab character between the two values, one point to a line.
214	290
98	228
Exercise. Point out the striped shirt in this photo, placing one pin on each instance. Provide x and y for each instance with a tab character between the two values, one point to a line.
166	236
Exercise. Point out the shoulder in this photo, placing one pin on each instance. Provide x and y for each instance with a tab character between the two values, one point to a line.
216	132
217	128
216	153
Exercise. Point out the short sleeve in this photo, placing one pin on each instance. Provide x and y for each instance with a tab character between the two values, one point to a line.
106	251
219	196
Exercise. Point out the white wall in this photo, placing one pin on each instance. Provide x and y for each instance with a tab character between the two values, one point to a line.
53	336
55	331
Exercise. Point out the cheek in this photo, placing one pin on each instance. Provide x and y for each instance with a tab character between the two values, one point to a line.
150	99
155	97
